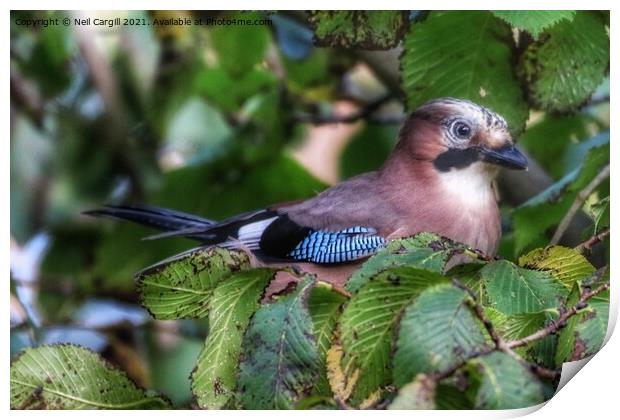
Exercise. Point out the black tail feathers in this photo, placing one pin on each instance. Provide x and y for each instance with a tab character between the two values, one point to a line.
174	222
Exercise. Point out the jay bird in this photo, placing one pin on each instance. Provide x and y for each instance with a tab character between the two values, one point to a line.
438	179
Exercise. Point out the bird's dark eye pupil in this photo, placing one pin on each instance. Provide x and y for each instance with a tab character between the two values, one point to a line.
462	130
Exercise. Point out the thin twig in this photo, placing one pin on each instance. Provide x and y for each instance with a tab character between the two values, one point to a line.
479	255
104	80
474	253
115	328
335	288
364	113
595	239
540	371
438	376
560	323
27	99
341	404
579	200
479	311
533	367
500	343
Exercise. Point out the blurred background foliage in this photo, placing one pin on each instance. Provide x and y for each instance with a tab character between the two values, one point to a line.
224	119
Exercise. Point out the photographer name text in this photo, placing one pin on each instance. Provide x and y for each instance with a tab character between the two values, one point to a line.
117	22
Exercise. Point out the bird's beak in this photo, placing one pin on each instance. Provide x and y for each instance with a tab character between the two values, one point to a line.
507	156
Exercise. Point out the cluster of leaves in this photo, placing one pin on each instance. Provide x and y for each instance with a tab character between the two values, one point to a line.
72	377
536	216
194	118
560	69
407	332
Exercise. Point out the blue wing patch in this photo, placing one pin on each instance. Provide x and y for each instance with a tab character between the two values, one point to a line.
336	247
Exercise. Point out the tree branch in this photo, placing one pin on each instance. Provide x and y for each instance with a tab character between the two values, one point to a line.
479	255
595	239
364	113
105	81
560	323
152	326
578	203
28	99
500	343
479	311
538	370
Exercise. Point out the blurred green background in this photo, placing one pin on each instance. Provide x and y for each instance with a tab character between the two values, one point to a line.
211	120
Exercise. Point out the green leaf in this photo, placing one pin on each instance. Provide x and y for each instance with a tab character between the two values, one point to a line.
512	289
325	307
233	302
50	57
542	352
464	54
594	328
565	264
368	321
599	212
240	50
181	288
584	332
229	92
70	377
170	363
306	76
504	383
563	69
534	21
280	359
546	209
450	397
424	250
197	132
119	255
227	191
68	254
368	30
469	275
551	139
437	332
316	402
417	395
514	326
537	215
576	153
368	150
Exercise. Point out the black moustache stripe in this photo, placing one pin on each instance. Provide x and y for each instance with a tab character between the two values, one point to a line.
456	158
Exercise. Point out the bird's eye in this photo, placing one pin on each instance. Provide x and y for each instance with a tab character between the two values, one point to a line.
461	130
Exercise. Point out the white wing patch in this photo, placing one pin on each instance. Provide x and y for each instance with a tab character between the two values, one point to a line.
250	234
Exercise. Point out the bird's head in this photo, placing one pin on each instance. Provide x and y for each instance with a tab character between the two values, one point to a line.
456	134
